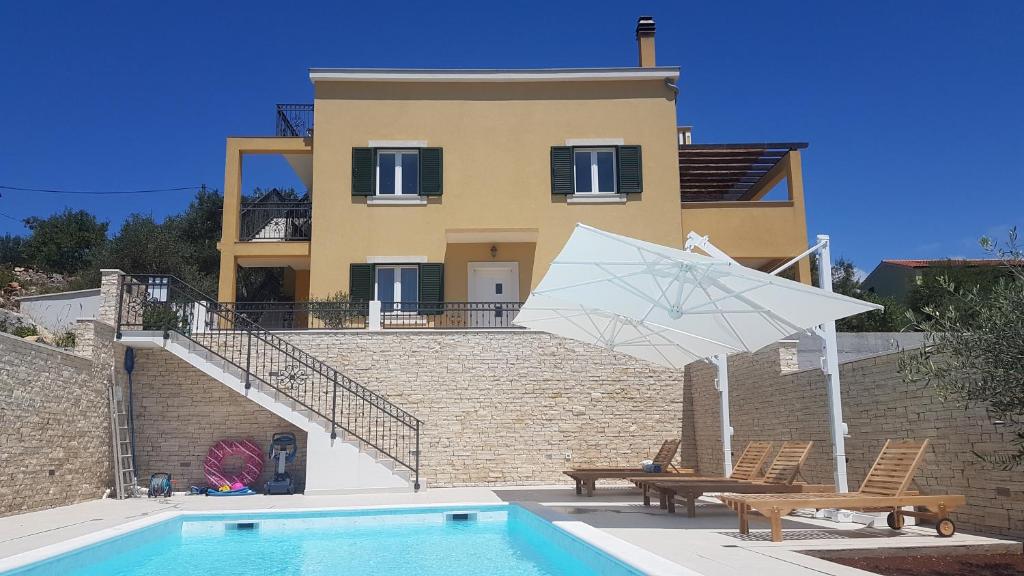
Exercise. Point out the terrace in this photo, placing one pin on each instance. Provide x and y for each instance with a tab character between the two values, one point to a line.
728	188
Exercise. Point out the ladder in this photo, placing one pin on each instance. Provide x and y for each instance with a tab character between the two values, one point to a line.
125	483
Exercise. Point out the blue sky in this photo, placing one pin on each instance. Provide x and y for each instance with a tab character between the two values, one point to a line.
913	110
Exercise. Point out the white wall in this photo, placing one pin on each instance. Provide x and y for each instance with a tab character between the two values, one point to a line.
856	345
57	312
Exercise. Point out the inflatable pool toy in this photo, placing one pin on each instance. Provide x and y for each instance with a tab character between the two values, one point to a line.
243	491
252	465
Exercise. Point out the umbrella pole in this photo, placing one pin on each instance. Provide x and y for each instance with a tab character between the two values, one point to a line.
830	366
830	360
722	384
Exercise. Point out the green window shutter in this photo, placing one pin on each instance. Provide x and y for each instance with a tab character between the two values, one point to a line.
363	172
431	171
631	173
431	288
360	282
561	170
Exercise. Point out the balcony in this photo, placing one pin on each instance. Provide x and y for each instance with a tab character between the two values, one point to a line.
732	172
728	190
268	221
294	120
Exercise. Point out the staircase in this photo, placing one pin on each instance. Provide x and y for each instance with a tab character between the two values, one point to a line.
357	440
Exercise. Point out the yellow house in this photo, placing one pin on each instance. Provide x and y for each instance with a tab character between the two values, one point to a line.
429	189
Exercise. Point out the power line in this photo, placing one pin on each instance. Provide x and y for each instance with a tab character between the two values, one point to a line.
98	192
8	216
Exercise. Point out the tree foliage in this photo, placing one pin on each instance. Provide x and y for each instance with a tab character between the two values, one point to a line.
66	242
12	250
892	318
932	288
183	245
974	345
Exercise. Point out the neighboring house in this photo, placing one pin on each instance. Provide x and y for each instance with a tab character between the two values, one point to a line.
57	312
896	278
455	186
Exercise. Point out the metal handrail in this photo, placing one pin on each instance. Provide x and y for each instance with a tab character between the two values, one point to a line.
448	315
303	315
165	303
275	221
294	120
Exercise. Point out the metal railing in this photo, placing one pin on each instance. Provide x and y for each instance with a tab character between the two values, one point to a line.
270	221
294	120
297	315
267	361
448	315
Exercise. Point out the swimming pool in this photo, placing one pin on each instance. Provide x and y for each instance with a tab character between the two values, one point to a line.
498	540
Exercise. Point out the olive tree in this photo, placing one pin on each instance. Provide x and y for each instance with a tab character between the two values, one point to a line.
974	347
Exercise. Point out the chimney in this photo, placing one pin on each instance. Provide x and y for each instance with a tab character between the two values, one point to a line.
645	41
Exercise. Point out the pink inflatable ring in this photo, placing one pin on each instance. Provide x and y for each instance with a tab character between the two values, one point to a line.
251	468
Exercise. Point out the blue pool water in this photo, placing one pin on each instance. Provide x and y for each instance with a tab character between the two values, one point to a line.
501	541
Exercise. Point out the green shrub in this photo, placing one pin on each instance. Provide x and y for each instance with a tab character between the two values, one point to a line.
333	311
23	330
161	316
63	340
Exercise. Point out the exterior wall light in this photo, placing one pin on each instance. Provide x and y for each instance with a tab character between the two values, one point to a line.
494	250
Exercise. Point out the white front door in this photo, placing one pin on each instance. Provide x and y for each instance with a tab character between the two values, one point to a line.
490	285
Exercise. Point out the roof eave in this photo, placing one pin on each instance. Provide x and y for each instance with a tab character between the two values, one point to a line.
492	75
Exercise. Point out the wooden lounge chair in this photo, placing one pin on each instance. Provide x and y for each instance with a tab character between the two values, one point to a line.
884	488
747	467
586	478
780	478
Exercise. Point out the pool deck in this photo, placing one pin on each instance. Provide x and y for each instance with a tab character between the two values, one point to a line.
708	544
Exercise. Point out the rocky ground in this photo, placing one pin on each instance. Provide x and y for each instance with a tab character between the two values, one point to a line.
18	282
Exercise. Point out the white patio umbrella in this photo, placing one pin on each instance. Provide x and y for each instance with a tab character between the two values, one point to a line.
709	305
661	345
672	307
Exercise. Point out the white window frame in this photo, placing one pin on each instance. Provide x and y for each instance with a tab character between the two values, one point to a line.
594	171
398	152
395	308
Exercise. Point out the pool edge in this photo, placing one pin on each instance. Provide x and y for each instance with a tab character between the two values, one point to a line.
629	554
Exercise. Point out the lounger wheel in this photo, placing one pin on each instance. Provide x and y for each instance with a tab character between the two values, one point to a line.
894	520
945	528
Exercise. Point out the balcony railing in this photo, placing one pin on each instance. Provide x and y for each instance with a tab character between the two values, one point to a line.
365	315
448	315
300	315
270	221
294	120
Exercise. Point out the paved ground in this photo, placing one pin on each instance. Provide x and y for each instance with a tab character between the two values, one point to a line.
708	543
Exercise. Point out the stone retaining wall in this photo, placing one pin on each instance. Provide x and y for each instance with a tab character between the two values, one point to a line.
769	402
180	412
54	426
511	407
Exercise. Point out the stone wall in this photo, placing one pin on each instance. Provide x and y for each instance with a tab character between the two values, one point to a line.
769	402
54	426
180	412
508	407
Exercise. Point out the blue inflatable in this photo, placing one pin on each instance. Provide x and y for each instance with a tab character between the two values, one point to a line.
240	492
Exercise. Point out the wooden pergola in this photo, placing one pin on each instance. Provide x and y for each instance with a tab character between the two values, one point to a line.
730	172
